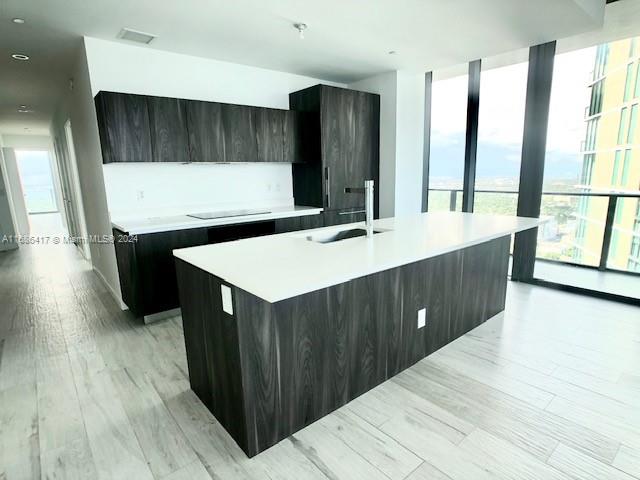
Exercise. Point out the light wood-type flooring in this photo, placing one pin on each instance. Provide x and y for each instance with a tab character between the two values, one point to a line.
548	390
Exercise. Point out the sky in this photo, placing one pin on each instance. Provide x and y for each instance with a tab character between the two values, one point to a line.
34	168
501	120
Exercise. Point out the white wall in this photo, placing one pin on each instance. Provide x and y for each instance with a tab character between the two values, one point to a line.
103	65
27	142
7	227
385	85
140	190
401	139
78	106
409	143
118	67
15	193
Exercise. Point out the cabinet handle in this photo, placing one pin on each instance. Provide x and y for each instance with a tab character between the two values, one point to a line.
352	212
327	183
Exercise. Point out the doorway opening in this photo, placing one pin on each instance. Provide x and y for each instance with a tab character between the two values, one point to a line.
72	206
39	190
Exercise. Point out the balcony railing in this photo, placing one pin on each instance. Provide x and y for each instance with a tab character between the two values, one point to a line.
591	229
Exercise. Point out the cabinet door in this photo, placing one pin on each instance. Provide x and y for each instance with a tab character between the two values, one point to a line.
366	150
206	136
123	124
308	176
293	224
167	118
156	267
292	136
146	268
350	144
240	141
269	125
338	147
128	273
340	217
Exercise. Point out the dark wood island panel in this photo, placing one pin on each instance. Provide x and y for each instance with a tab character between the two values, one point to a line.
270	369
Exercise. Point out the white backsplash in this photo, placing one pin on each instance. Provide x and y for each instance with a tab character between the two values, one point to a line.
143	190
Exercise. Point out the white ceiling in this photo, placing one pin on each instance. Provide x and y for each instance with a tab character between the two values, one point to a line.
346	40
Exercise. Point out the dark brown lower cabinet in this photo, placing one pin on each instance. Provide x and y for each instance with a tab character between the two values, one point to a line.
340	217
270	369
293	224
147	270
146	265
327	218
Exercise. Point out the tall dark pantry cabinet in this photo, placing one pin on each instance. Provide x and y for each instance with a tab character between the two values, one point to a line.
341	142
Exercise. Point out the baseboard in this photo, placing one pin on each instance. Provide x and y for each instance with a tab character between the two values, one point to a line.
86	255
6	247
110	289
584	291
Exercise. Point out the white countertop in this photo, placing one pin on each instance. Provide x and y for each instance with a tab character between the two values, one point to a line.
277	267
139	226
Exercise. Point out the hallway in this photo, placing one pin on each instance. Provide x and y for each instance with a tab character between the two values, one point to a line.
548	390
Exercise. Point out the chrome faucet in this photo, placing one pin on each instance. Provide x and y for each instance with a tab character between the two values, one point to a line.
368	203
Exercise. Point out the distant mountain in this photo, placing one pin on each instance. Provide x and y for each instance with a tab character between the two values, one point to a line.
498	161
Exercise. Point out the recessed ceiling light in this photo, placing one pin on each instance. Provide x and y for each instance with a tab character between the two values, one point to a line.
25	110
19	21
136	36
20	56
392	52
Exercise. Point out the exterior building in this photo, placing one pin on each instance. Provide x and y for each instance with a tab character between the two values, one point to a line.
611	157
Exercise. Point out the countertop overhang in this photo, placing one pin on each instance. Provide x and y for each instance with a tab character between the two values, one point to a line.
157	224
277	267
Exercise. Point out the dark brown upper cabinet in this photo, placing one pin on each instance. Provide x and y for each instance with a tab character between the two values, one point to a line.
123	125
366	147
136	128
294	151
341	146
168	129
206	135
270	134
240	141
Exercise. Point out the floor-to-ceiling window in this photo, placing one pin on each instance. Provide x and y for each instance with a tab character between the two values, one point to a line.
500	128
590	156
37	182
625	237
575	227
592	172
448	127
633	263
591	185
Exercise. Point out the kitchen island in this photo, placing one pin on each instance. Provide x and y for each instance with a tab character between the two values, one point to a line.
283	329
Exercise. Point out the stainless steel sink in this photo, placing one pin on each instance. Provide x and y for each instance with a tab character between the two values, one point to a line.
338	235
